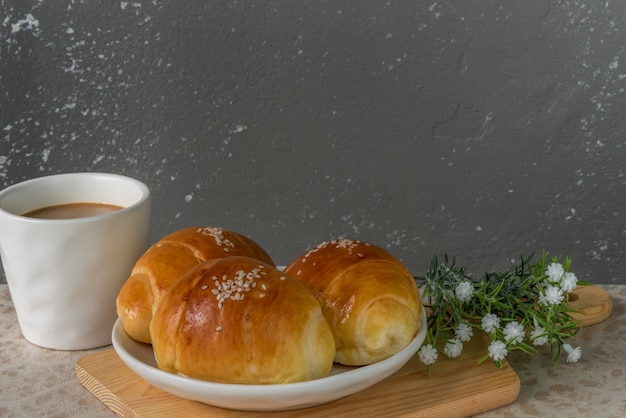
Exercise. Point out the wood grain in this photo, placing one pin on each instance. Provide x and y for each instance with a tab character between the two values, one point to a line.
592	305
456	388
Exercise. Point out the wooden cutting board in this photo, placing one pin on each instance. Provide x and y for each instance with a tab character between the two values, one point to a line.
456	388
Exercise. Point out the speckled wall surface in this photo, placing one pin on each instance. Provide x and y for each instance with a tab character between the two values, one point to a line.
485	130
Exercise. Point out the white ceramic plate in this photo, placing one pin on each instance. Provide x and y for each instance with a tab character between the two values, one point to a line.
342	380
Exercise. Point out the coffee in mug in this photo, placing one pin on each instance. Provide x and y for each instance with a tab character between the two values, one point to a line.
64	274
72	210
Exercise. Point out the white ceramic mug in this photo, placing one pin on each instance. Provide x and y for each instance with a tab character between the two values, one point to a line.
64	274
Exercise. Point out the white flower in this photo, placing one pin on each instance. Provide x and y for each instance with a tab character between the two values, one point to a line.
553	295
573	354
497	350
453	348
490	323
568	284
554	272
464	332
464	291
513	332
428	354
538	336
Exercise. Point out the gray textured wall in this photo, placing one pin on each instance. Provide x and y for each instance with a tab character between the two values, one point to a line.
481	129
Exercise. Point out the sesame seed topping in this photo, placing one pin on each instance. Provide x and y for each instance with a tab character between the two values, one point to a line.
348	244
218	328
262	295
283	278
234	288
218	235
204	287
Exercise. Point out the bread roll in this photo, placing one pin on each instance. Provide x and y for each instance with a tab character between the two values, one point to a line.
368	297
237	320
166	261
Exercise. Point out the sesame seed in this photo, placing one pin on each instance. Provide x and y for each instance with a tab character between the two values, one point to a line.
218	328
319	247
262	295
218	235
204	287
347	244
234	288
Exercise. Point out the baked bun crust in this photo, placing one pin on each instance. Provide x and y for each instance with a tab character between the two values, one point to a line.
169	259
237	320
368	297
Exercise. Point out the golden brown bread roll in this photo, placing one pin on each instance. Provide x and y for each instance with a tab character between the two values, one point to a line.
237	320
368	297
166	261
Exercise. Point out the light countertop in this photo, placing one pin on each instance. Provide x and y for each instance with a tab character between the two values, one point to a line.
41	382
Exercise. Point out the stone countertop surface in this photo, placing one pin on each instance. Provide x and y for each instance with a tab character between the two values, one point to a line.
41	382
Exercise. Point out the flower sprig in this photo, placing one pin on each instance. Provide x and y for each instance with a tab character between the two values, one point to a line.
520	309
